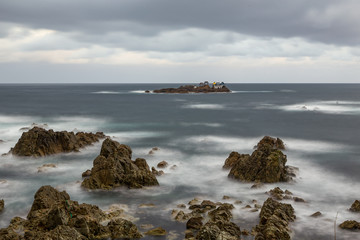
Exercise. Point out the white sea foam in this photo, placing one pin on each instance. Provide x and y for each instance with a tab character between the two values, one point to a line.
139	91
107	92
258	91
205	106
206	124
327	107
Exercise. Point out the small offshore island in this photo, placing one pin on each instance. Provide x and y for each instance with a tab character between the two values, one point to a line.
203	87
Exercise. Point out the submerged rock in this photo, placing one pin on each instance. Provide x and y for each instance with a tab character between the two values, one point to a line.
54	215
38	142
316	214
162	164
355	207
266	164
46	166
159	231
114	168
274	221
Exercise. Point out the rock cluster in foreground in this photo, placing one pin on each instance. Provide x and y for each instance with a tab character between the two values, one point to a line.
38	142
114	168
352	224
266	164
54	215
274	221
193	89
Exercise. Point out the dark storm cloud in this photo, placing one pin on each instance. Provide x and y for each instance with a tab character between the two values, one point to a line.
327	21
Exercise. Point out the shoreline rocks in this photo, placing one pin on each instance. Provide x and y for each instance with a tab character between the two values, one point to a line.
274	221
54	215
114	168
193	89
38	142
266	164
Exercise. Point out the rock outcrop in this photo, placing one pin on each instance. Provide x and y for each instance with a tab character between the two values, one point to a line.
274	221
193	89
233	158
114	168
266	164
355	207
350	225
54	215
38	142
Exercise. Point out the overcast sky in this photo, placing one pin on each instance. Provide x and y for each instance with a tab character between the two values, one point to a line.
128	41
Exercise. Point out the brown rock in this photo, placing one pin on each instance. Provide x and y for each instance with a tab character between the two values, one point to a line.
275	143
350	225
156	232
181	205
38	142
219	230
156	172
274	220
114	168
297	199
162	164
355	207
233	158
87	173
44	167
316	214
121	228
194	223
266	164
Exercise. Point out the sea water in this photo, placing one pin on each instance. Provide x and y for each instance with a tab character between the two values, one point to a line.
195	132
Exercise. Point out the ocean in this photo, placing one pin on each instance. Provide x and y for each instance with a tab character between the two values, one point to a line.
319	124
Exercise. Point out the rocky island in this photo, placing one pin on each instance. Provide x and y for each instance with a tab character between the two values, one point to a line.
205	87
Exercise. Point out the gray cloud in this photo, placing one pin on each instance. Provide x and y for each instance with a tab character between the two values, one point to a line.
328	21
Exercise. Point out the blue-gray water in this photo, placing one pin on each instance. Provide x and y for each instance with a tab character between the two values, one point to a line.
196	132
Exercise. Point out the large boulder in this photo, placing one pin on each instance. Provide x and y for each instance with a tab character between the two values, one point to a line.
114	168
38	142
274	221
266	164
54	215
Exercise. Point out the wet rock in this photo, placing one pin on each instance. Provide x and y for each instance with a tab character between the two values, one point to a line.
156	232
297	199
38	142
274	220
238	202
194	201
350	225
147	91
208	204
45	167
225	197
2	205
54	215
233	158
153	150
276	193
266	164
162	164
219	230
181	205
114	168
275	143
194	223
288	192
257	185
87	173
316	214
156	172
355	207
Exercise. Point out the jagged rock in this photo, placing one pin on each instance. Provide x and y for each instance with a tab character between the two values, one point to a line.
38	142
219	230
355	207
316	214
159	231
274	221
266	164
2	205
276	193
114	168
87	173
162	164
193	89
275	143
156	172
350	225
208	204
233	158
194	201
194	223
44	167
54	215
